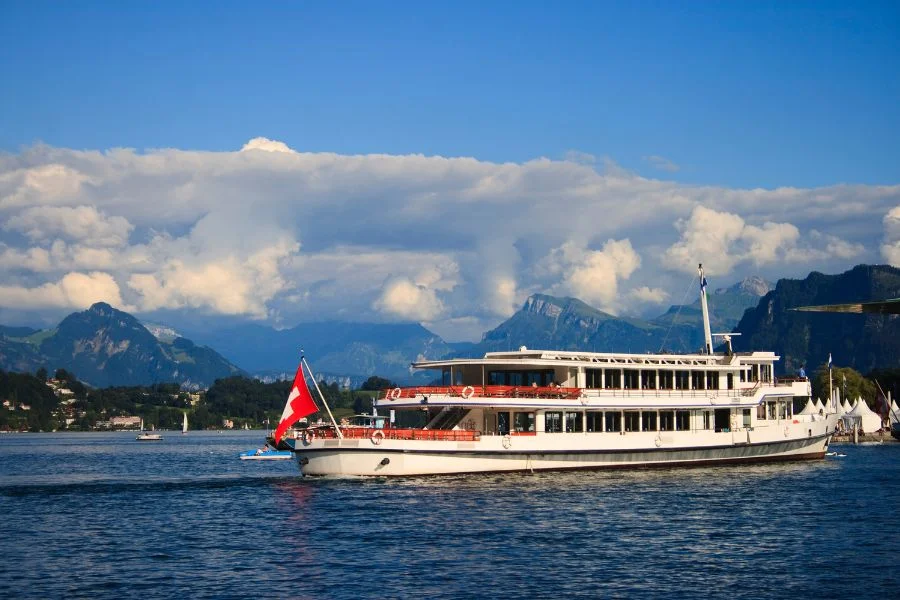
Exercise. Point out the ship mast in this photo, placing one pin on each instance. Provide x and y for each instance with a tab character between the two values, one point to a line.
706	333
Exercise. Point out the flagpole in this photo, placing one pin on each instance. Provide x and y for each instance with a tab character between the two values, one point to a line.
322	396
830	387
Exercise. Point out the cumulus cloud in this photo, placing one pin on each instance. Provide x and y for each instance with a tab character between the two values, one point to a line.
648	295
722	240
80	223
271	232
73	291
261	143
890	249
405	299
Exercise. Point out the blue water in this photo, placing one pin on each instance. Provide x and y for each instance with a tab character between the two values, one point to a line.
103	516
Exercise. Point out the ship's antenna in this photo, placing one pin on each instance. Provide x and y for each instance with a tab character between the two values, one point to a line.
706	333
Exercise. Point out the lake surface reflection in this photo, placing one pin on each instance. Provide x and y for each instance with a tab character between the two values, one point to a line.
104	516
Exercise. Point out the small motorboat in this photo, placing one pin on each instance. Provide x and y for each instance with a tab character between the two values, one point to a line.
149	437
266	454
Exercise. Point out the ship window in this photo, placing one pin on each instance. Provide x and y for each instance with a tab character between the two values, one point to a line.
613	421
666	380
723	419
682	378
613	379
682	420
648	380
648	421
595	421
746	417
666	420
771	411
553	422
632	420
729	378
503	423
523	421
520	378
593	378
698	380
782	410
761	411
743	375
706	420
573	422
631	379
712	380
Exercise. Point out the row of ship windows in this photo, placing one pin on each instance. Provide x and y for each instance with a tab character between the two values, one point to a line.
635	379
634	420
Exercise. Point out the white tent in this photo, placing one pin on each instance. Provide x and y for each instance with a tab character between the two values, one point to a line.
895	412
846	406
839	409
863	416
810	408
820	407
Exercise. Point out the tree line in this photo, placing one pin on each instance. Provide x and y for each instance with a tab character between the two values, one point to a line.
29	404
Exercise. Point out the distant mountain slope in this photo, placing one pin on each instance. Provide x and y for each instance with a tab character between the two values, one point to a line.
548	322
104	346
339	349
863	342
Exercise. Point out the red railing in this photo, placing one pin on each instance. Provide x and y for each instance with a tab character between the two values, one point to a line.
397	433
484	391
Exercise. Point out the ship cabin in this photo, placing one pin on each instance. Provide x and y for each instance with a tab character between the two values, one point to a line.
529	392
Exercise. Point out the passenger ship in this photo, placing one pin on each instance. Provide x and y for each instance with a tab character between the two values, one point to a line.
535	410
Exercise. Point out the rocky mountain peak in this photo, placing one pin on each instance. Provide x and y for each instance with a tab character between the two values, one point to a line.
751	286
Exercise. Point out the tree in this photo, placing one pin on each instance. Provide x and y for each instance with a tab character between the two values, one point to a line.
850	383
41	374
376	384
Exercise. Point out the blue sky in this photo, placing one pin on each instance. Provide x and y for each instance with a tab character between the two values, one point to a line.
741	94
436	162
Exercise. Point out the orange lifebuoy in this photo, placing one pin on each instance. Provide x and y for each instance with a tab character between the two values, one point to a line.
467	392
395	393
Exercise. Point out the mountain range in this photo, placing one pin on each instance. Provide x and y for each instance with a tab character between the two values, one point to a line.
105	346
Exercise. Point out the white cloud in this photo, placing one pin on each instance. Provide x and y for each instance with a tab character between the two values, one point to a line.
73	291
276	233
890	249
721	241
261	143
81	223
404	299
648	295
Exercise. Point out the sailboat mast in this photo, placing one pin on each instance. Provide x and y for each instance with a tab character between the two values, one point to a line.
322	396
706	332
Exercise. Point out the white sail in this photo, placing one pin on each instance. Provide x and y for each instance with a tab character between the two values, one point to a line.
184	424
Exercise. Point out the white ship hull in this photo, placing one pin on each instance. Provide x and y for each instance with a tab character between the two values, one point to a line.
563	451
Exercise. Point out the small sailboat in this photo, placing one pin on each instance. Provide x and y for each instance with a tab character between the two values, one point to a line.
184	425
266	453
147	437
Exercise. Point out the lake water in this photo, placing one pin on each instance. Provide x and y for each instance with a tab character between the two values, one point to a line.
102	516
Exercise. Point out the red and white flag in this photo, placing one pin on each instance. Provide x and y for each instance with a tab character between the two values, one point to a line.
299	404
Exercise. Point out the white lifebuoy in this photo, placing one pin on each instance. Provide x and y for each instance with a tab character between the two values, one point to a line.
395	393
467	392
658	441
507	441
377	436
787	431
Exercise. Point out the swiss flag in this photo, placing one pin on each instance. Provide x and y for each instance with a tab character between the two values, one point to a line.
299	404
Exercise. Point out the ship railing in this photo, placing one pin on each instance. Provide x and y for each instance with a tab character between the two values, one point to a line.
483	391
400	433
